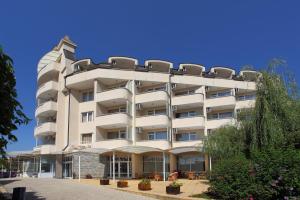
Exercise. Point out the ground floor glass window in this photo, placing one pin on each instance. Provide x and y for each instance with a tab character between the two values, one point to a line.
191	163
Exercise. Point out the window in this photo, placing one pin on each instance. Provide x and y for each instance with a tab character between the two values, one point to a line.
154	164
186	136
87	116
219	94
157	112
76	68
246	97
158	88
121	134
223	115
187	163
186	114
86	138
88	96
185	92
157	135
117	110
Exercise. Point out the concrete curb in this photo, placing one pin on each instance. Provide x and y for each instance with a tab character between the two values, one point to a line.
157	196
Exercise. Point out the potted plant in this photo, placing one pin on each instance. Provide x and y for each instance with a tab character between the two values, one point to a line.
104	181
173	188
144	184
88	176
122	183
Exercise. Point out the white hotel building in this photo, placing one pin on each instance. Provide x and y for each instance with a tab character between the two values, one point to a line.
125	119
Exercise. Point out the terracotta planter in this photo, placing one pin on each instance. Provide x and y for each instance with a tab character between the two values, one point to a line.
122	184
172	190
143	186
104	181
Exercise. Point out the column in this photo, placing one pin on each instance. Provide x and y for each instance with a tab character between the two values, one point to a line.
114	157
173	162
164	166
40	170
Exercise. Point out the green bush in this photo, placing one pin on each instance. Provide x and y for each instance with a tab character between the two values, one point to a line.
271	174
231	179
277	174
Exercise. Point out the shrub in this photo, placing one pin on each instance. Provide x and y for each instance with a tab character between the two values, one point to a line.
271	174
145	181
232	179
175	184
277	173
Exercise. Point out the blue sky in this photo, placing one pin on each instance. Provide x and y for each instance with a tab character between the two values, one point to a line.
230	33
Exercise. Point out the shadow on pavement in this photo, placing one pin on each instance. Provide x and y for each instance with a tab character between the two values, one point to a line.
7	181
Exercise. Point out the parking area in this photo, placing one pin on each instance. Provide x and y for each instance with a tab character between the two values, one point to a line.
62	189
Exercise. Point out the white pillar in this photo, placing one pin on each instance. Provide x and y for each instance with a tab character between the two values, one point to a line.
40	170
9	167
79	173
210	163
114	177
164	166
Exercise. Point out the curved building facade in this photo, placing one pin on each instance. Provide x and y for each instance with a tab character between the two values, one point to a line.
123	119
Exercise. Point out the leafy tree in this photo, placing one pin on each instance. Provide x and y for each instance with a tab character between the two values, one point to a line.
268	136
11	111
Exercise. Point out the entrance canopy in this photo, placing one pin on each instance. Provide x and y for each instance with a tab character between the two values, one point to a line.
186	149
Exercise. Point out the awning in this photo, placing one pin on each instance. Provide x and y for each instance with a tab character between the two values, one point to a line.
186	149
137	149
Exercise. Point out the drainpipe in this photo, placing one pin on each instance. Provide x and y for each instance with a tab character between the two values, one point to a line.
170	108
69	105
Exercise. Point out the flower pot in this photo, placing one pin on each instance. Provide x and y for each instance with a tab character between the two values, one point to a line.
104	181
172	190
143	186
122	184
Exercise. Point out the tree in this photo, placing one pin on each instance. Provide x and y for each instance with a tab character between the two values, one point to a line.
267	136
11	111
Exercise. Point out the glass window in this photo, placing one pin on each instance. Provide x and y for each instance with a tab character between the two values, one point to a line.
88	96
186	114
220	94
87	116
121	134
86	138
225	115
117	110
159	135
186	136
151	136
187	163
156	112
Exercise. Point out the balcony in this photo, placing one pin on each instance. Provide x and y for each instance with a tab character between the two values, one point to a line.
217	123
50	70
159	97
120	95
151	122
189	143
48	108
226	102
159	144
189	123
110	144
45	149
116	120
48	89
245	104
182	101
47	128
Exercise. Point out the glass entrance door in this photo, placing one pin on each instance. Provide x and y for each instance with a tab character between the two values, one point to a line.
68	167
122	167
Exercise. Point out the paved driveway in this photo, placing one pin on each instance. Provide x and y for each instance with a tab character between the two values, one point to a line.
60	189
